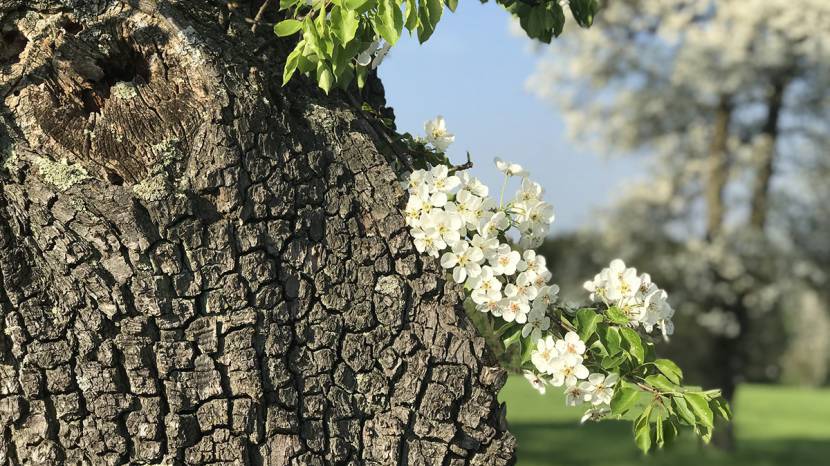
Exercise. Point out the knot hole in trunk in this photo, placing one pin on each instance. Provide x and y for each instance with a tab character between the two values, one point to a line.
12	45
123	70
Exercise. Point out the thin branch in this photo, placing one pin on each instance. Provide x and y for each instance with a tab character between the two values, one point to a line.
259	14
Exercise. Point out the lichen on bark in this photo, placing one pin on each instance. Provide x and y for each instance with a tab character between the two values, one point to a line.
274	311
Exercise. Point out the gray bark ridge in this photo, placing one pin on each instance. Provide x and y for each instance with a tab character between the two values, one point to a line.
201	267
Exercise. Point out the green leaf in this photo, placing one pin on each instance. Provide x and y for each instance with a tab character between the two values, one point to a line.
658	432
721	407
452	4
661	383
292	62
634	344
558	19
429	13
682	409
354	5
584	11
670	370
700	406
669	431
362	72
287	27
389	21
642	431
325	79
612	339
587	321
513	338
624	398
527	350
344	24
312	37
613	362
286	4
411	15
616	316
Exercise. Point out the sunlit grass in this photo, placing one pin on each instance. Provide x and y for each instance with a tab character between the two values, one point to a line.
776	426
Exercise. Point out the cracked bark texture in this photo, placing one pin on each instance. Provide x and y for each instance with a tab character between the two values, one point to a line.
234	282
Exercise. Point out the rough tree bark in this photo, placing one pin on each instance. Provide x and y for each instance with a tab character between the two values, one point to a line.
199	266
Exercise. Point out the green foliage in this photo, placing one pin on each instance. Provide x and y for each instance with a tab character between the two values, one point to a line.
651	390
337	38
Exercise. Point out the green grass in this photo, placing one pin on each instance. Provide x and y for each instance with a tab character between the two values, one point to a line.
775	426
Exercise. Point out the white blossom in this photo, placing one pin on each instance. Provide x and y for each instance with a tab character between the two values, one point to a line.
510	169
464	260
535	381
485	287
599	389
537	322
545	357
575	395
514	309
437	133
505	260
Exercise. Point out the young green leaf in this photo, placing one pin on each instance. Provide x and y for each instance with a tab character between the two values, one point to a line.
612	362
292	62
616	316
515	337
429	13
344	24
584	11
700	406
634	344
411	16
642	430
287	27
683	411
670	370
452	4
721	407
354	5
661	383
624	398
610	336
389	20
325	79
587	321
362	72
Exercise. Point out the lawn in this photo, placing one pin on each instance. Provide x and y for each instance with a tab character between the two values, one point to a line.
776	426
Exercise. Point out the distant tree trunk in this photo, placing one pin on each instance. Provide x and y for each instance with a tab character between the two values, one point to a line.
717	168
233	283
726	365
765	158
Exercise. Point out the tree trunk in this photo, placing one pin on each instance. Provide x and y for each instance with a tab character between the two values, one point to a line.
200	266
765	158
718	168
724	366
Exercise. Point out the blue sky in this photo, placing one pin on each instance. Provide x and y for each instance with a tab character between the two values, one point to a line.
472	71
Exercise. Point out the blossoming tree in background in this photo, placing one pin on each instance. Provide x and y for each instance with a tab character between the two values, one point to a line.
729	100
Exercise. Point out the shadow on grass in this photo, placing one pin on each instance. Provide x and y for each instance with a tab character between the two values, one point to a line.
611	444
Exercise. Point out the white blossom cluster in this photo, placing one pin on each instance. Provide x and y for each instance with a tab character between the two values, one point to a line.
452	217
560	363
635	295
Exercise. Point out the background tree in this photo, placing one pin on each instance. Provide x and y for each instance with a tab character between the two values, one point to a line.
728	100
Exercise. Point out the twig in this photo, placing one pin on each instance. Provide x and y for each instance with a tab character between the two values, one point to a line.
259	14
464	166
